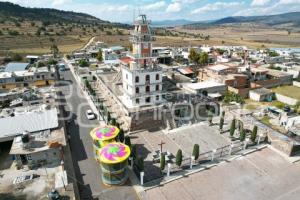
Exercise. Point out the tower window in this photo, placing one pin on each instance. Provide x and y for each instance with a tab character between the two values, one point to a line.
147	88
137	90
126	76
157	77
157	87
147	78
137	79
148	99
157	97
137	101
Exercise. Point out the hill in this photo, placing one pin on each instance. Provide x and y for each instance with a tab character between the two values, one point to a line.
171	23
33	30
287	20
10	11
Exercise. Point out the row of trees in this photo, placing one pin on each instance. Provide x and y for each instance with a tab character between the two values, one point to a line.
242	131
179	157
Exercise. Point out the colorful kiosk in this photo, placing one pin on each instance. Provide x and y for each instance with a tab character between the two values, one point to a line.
103	136
114	162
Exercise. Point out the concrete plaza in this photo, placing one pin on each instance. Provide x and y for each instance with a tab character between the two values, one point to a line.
262	175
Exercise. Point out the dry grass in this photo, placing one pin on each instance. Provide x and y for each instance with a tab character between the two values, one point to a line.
251	35
290	91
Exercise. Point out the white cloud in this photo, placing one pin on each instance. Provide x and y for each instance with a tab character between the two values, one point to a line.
286	2
155	6
217	6
174	7
260	2
60	2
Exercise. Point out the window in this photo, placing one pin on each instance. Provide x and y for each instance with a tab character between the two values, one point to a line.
147	78
137	90
137	79
157	87
137	101
147	88
126	76
157	97
3	86
157	77
38	76
148	99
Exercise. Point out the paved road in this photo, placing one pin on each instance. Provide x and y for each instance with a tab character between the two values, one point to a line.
88	173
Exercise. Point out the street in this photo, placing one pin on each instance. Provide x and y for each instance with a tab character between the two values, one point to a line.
87	170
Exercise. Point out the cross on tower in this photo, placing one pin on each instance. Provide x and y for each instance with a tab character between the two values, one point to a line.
161	145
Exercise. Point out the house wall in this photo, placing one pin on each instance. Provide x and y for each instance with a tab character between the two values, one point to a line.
244	92
285	99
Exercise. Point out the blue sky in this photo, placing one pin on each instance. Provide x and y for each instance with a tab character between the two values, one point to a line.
196	10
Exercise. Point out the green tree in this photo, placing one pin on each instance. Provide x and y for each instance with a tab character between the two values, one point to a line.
17	57
162	162
194	56
242	135
52	62
196	151
121	135
99	56
140	164
108	117
133	153
83	63
221	123
54	50
203	58
128	141
254	134
232	127
210	118
179	157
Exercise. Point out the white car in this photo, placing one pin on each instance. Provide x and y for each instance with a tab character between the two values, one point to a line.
90	115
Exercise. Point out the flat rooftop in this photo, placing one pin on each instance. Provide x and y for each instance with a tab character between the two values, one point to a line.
26	120
261	175
203	85
13	67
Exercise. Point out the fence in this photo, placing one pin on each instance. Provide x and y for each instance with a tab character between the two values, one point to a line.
152	171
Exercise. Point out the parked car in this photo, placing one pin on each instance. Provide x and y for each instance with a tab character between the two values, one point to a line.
90	115
24	179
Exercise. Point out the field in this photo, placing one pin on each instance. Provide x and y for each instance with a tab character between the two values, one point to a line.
254	36
290	91
36	38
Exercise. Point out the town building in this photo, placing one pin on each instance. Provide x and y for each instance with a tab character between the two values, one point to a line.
261	94
39	77
142	76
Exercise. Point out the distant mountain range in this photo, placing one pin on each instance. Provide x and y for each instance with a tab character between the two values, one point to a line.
10	11
171	23
281	20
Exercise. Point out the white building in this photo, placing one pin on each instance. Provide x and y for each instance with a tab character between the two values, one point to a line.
141	75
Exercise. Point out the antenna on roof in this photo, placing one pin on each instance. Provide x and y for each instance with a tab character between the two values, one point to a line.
139	10
133	15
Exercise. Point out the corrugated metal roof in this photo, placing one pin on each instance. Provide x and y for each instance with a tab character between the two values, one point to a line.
31	121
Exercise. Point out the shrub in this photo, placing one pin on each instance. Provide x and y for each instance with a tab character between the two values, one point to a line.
140	164
196	151
17	57
13	33
221	123
232	128
179	158
242	135
254	134
162	162
128	141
